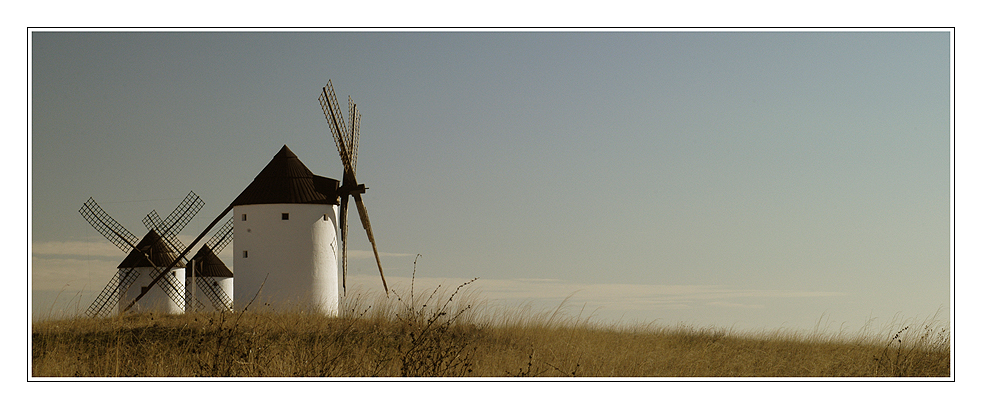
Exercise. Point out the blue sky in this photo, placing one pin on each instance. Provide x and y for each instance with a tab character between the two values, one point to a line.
735	179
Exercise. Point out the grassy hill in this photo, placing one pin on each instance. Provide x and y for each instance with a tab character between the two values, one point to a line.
436	335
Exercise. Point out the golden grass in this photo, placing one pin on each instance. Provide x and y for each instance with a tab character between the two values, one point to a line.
439	335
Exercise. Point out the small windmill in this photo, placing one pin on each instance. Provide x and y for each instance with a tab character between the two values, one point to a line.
209	274
145	260
347	144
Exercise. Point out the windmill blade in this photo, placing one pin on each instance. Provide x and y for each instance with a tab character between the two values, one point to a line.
168	286
221	238
170	227
335	110
353	136
111	294
335	121
153	222
175	222
219	299
196	305
344	242
107	226
363	214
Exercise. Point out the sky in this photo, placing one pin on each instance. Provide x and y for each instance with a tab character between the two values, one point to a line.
747	180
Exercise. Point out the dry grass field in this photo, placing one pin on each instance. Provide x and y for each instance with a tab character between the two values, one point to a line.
442	336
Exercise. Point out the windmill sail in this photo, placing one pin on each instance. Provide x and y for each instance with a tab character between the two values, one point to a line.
107	226
112	293
347	144
170	227
122	238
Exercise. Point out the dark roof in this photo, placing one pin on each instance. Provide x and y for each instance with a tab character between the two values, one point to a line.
154	246
207	264
287	180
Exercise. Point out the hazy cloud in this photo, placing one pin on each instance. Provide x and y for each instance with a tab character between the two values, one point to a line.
77	248
59	273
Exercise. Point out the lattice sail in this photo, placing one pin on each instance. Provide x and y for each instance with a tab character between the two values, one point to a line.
107	226
108	299
219	299
168	287
332	113
170	227
353	135
221	238
153	222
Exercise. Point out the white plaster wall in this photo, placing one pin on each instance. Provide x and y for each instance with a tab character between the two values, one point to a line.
224	283
300	256
156	300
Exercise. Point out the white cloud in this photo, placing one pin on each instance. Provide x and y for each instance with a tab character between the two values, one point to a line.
59	273
77	248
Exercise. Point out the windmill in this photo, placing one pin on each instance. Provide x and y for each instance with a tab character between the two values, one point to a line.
145	260
347	144
285	227
209	274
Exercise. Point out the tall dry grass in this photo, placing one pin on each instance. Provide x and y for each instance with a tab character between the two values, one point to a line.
449	333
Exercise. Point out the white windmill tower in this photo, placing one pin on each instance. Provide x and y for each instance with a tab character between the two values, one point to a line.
286	225
285	228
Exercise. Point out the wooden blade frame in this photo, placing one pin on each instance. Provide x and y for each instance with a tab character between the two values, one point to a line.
329	104
221	238
363	214
170	227
353	136
344	242
107	226
347	144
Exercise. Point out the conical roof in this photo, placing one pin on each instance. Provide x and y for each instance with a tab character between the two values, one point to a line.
285	179
207	264
159	254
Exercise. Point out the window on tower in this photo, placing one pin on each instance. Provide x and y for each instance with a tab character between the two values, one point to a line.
245	253
286	216
243	217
